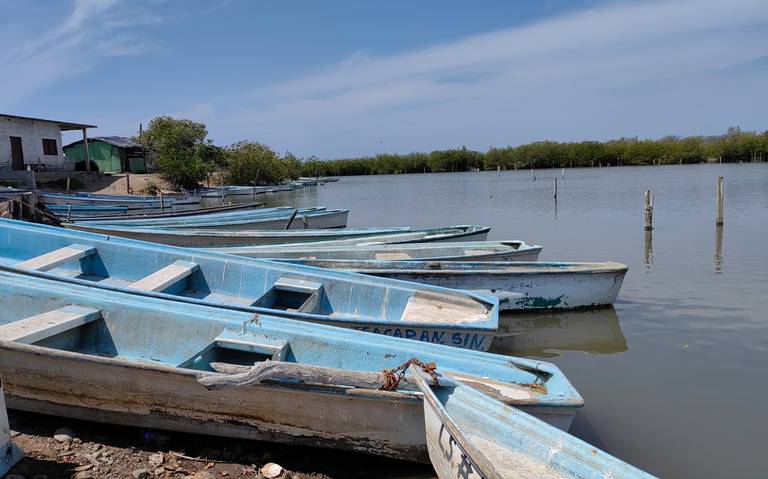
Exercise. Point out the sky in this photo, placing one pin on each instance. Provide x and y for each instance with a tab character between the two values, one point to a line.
352	78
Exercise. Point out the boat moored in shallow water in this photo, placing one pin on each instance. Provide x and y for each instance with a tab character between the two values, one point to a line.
76	351
510	250
393	308
278	218
473	436
520	286
214	238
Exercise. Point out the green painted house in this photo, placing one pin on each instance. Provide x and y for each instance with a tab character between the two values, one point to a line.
109	154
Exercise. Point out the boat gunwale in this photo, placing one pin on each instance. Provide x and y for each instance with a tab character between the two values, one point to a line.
490	322
504	267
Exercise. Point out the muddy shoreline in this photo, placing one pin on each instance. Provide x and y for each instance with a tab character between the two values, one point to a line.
95	450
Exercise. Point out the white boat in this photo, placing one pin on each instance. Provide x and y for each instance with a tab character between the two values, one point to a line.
519	286
215	238
431	251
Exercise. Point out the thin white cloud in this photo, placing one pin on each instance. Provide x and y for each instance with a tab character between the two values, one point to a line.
41	55
518	84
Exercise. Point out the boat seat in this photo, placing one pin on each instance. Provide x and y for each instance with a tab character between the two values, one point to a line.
55	258
253	343
166	277
393	256
314	292
36	328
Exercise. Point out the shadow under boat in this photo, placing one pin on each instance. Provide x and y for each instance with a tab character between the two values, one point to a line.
546	334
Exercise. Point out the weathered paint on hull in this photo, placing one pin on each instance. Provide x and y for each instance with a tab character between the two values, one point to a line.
10	454
474	340
86	201
203	238
139	361
474	437
153	396
526	292
323	253
403	309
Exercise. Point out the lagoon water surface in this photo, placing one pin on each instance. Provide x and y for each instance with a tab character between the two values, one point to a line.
676	378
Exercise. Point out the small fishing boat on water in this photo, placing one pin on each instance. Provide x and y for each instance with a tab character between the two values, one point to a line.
10	454
169	214
318	179
278	218
178	199
138	203
472	435
74	351
432	251
212	238
520	286
389	307
88	211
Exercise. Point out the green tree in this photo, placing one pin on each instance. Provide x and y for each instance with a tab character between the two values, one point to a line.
249	162
182	153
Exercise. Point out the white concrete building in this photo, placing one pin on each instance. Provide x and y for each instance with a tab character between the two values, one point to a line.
34	142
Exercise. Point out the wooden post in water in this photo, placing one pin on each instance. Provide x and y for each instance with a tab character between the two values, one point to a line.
162	202
498	169
128	184
555	193
719	213
648	210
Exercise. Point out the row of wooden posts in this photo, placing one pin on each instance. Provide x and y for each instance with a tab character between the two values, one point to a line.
649	205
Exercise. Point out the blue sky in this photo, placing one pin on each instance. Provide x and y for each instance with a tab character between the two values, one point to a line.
346	78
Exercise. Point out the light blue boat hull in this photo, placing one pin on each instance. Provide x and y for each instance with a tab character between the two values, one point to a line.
389	307
202	238
473	436
520	286
87	353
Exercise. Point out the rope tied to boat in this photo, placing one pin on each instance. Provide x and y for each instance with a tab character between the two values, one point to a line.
393	377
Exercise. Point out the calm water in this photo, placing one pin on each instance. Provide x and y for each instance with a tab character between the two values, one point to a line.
675	379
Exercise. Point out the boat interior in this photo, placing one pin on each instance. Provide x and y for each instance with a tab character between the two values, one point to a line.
106	324
238	282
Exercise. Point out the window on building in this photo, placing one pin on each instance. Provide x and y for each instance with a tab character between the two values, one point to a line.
50	147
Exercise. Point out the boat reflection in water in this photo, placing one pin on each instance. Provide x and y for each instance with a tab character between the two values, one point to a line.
545	335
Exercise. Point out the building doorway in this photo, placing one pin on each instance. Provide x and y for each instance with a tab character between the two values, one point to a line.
17	154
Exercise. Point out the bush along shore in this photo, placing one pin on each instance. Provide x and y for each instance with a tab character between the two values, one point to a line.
186	157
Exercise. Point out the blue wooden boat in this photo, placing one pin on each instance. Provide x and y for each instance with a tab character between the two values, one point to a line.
393	308
520	286
69	211
10	454
169	214
213	238
93	200
474	436
76	351
279	218
430	251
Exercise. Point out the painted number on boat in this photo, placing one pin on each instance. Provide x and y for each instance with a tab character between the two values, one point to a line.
461	340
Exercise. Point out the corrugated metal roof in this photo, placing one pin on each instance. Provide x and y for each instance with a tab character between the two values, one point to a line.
118	141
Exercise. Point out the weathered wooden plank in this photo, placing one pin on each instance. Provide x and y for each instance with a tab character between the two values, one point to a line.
166	277
305	373
277	348
41	326
55	258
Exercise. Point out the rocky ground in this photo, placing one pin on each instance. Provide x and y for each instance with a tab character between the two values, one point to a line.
58	448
